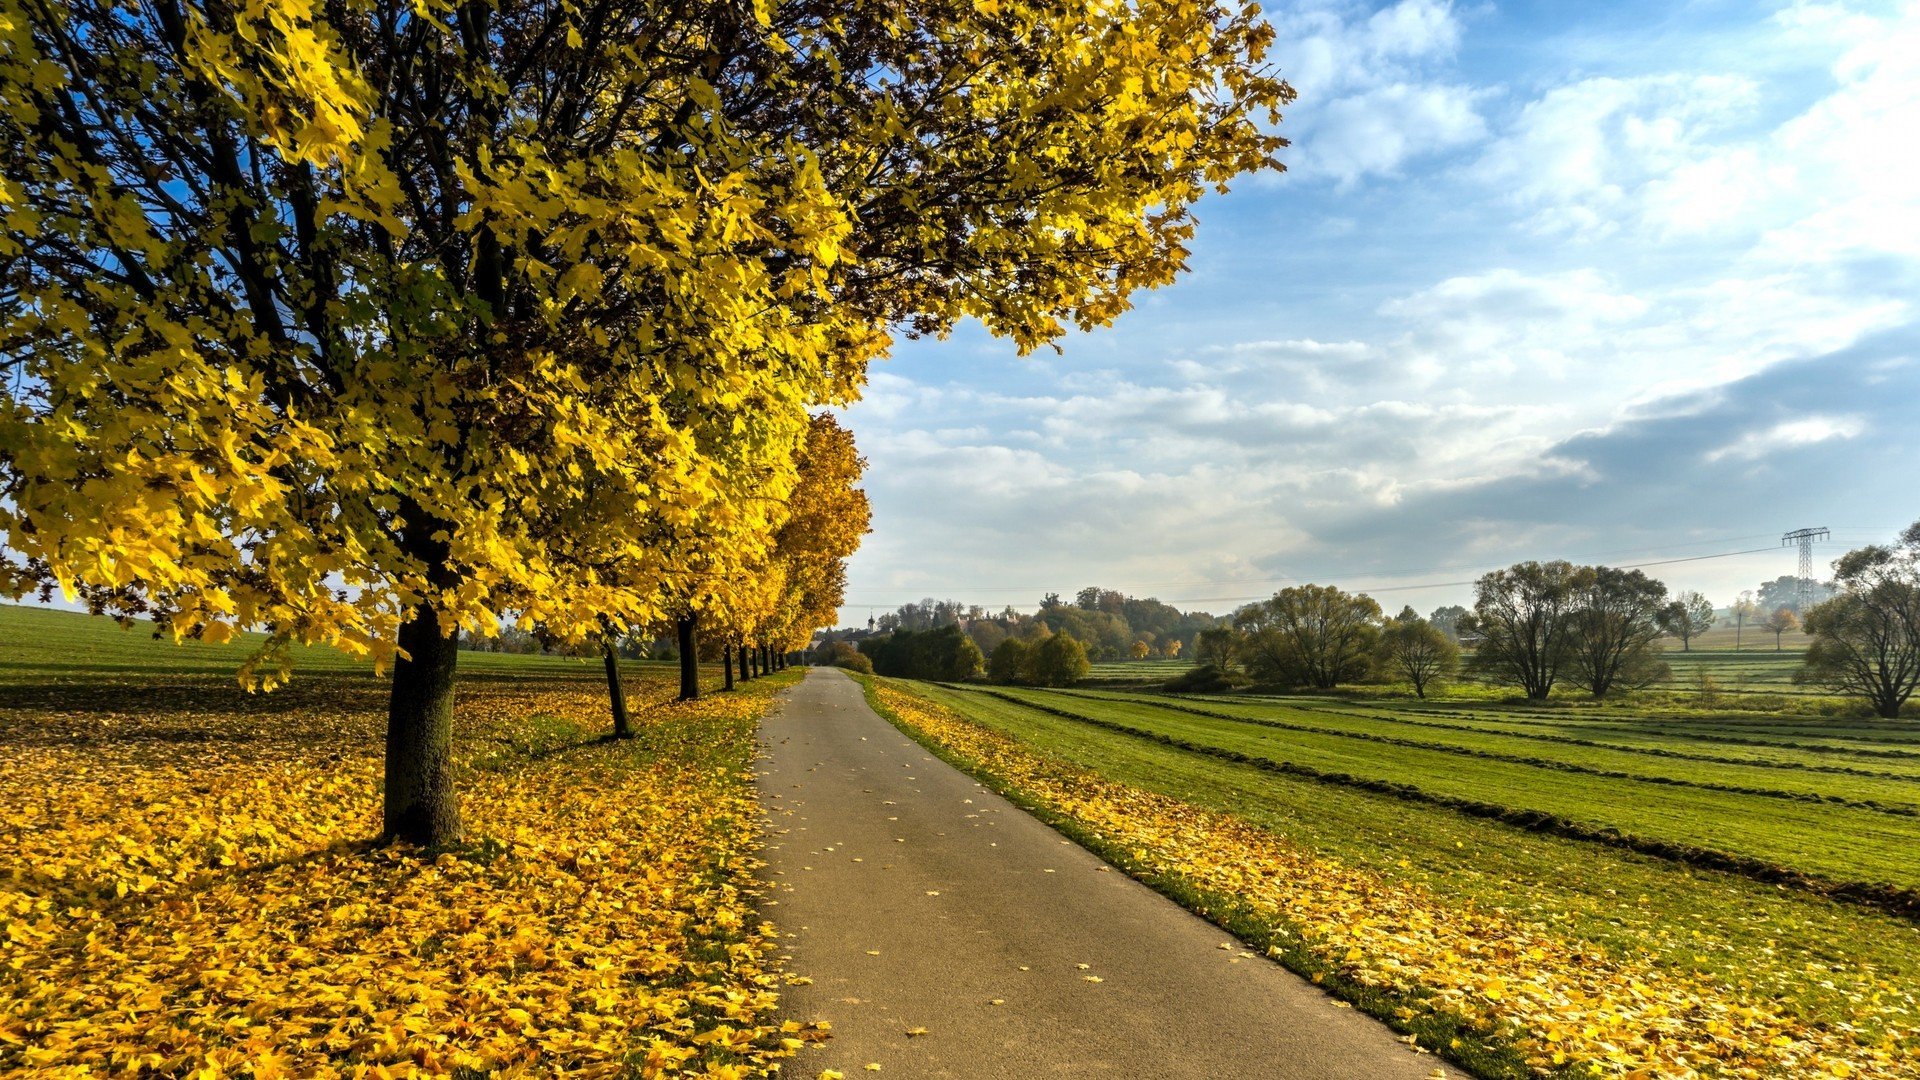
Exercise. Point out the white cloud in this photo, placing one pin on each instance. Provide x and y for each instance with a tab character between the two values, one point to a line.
1723	221
1807	431
1581	156
1378	130
1332	47
1691	154
1372	98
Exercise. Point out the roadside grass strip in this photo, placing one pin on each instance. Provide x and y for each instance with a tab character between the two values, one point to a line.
1502	995
189	889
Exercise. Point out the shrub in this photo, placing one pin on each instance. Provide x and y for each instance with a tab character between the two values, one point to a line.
846	656
1011	662
1059	660
1205	679
1706	688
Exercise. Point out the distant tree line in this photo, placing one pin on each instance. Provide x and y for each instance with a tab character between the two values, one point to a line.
949	654
1534	626
1109	624
944	654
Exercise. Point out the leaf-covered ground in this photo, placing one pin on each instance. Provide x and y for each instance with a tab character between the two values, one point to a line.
188	887
1497	988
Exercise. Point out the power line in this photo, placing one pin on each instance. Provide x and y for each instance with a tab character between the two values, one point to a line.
1454	584
1451	584
1138	587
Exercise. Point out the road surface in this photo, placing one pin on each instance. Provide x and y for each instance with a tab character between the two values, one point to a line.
949	934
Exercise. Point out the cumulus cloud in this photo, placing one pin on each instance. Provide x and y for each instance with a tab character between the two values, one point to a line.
1618	311
1378	130
1578	157
1694	154
1374	87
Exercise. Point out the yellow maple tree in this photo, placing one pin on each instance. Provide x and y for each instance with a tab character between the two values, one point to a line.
321	315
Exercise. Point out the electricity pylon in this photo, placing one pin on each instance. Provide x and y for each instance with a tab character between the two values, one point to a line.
1803	584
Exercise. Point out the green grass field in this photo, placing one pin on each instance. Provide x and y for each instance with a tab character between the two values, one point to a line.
1135	672
40	644
1835	802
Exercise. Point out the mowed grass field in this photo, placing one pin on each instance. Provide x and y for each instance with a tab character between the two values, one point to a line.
1599	829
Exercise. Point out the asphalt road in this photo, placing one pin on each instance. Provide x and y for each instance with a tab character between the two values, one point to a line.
949	934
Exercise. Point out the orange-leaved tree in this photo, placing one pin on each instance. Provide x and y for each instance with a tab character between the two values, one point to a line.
827	515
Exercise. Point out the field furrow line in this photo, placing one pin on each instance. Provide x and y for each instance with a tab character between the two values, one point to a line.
1882	896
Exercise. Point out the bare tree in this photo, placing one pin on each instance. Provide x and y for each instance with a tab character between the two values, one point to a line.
1690	614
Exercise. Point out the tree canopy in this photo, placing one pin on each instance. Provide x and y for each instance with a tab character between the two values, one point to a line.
1309	635
1866	639
1415	649
1686	617
369	324
1522	615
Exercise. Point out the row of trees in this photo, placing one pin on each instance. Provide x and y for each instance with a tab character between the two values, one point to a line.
1048	659
377	324
1110	625
1776	608
944	654
1538	625
1690	614
1533	625
948	654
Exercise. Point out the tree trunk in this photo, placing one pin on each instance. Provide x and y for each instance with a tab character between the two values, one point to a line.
745	672
420	804
615	695
726	664
689	659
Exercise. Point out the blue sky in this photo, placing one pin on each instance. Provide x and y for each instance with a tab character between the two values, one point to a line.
1613	282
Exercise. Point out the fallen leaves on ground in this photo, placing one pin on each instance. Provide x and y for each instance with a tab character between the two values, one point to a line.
189	890
1565	1005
